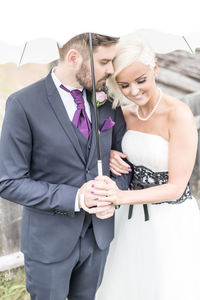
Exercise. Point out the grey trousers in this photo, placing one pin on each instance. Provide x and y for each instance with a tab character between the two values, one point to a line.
77	277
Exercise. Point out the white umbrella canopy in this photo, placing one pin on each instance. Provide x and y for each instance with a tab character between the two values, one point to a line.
162	42
10	53
193	40
41	24
23	20
44	50
41	51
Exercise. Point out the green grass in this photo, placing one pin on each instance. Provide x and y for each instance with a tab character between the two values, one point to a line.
12	285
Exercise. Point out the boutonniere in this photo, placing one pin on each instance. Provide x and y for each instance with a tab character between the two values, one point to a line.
109	123
101	98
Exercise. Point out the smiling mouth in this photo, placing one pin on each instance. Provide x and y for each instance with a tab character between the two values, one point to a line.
138	96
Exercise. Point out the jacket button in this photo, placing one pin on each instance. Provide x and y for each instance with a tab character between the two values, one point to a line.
87	170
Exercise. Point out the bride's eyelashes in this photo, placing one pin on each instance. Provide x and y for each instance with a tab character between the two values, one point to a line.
126	85
141	80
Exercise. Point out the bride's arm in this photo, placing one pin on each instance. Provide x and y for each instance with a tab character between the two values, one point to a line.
181	158
117	164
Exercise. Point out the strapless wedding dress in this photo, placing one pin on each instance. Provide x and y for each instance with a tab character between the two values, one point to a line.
156	259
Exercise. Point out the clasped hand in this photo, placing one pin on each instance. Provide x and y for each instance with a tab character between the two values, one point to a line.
100	196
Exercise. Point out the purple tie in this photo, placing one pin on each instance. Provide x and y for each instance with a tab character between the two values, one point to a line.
80	119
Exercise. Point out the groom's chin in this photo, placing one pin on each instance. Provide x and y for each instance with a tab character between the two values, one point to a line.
101	87
98	89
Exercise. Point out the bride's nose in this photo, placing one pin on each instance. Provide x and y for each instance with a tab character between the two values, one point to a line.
134	90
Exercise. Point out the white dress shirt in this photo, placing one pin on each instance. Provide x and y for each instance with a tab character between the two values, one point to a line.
70	107
67	98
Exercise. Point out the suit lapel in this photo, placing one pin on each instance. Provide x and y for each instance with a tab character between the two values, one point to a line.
58	108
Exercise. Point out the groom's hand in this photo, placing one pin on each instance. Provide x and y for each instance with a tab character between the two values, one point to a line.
105	212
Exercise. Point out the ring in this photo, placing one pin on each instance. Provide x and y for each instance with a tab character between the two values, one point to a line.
82	202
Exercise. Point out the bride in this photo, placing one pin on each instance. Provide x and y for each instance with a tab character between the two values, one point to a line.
156	251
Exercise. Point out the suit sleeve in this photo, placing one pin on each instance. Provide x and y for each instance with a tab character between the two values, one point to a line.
119	130
16	184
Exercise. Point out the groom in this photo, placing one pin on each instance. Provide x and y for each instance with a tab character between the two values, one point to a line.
48	159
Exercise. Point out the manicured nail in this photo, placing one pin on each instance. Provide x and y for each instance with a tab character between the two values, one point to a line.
96	199
92	185
92	192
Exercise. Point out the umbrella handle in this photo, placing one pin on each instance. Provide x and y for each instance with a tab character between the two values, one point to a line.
100	169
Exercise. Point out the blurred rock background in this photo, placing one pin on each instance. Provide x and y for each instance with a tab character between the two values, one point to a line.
179	75
11	80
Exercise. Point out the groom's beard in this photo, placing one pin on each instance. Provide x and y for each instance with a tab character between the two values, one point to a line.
83	77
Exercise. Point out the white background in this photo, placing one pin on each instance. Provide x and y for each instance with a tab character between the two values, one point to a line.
22	20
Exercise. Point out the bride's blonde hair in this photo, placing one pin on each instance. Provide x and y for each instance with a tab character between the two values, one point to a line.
130	49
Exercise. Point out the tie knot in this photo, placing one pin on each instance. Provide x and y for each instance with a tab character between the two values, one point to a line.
77	95
78	98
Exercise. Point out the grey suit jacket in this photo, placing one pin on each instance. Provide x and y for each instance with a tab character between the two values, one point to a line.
42	166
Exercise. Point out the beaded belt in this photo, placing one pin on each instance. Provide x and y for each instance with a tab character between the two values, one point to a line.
145	178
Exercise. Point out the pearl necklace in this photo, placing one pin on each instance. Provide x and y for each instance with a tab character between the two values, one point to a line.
153	110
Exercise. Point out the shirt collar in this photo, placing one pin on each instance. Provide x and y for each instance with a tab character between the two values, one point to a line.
58	82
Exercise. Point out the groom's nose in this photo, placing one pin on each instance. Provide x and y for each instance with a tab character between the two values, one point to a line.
109	68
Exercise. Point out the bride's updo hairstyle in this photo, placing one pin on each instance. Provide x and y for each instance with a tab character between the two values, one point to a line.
130	49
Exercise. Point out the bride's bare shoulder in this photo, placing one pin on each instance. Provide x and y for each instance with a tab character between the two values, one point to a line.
177	109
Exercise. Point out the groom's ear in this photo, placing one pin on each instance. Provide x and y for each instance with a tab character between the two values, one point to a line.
73	58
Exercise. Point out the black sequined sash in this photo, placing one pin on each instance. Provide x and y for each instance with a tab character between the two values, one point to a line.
145	178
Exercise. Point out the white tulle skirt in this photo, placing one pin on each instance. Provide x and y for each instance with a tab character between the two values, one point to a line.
154	260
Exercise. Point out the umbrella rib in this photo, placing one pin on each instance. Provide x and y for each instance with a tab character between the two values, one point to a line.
22	54
188	44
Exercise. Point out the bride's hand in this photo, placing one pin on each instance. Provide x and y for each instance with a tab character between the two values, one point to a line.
117	165
106	190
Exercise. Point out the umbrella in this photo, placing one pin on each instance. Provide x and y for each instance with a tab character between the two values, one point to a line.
60	20
44	50
163	42
41	51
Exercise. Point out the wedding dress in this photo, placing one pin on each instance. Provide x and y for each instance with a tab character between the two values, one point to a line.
156	259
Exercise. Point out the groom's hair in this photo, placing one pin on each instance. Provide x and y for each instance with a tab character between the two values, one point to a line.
81	44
